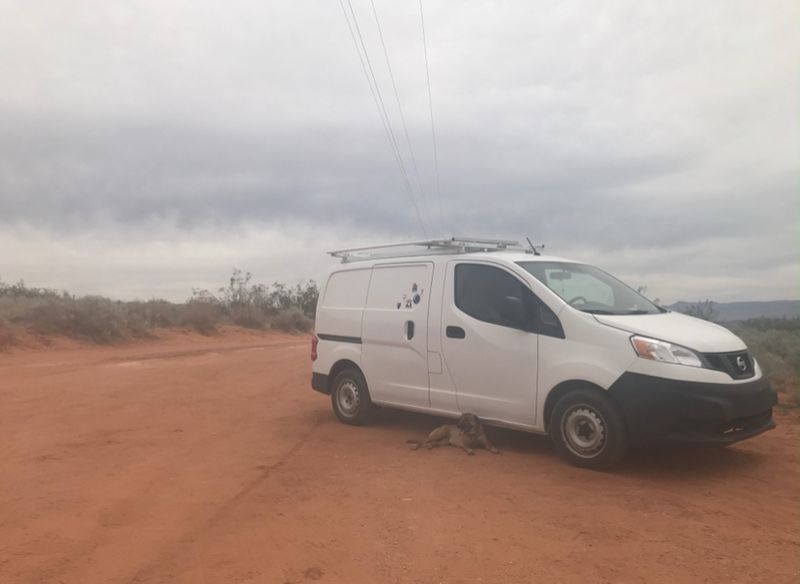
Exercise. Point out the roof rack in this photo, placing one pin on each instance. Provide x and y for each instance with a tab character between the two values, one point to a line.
428	247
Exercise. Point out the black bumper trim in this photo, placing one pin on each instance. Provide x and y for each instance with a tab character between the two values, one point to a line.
319	382
658	410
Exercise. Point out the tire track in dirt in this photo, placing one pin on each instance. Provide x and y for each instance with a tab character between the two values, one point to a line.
147	571
198	352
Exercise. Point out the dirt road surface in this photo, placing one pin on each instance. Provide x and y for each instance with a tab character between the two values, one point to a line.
196	460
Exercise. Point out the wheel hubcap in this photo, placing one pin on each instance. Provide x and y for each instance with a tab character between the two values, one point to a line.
584	431
348	399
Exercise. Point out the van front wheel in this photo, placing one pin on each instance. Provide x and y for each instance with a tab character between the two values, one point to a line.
350	398
587	429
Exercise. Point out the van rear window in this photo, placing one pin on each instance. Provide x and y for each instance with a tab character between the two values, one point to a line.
347	289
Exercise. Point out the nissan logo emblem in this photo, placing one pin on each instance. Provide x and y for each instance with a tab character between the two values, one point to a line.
741	363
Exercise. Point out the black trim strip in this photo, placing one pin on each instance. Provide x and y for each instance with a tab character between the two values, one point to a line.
319	382
339	338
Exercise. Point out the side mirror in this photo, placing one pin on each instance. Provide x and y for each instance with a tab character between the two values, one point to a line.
512	310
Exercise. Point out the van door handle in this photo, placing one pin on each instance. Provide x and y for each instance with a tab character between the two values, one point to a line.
409	329
455	332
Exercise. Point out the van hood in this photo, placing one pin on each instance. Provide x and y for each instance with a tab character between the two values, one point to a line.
681	329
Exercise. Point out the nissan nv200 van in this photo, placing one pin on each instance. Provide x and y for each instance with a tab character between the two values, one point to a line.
531	342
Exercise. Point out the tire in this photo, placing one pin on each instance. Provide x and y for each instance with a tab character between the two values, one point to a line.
587	429
350	398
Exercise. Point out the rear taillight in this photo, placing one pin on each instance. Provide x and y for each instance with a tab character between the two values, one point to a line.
314	343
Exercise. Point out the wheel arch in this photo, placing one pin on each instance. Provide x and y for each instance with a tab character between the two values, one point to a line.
564	388
340	366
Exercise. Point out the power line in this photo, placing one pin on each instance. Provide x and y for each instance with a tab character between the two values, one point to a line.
397	99
366	66
430	107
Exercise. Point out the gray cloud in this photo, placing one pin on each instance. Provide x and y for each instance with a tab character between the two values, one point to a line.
660	141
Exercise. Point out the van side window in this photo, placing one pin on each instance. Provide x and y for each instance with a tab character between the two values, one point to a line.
493	295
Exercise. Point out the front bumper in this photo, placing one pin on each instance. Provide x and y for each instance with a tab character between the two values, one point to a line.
659	410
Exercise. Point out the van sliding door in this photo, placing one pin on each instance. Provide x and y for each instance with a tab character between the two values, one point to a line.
395	333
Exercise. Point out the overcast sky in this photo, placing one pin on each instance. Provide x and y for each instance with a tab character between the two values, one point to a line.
148	147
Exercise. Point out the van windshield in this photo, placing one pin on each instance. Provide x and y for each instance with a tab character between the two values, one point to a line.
590	289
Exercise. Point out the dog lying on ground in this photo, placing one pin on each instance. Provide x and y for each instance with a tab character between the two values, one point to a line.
466	434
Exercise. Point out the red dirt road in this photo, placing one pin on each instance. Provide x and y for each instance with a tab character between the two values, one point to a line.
196	460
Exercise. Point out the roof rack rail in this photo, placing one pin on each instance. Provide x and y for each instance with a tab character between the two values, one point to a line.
426	247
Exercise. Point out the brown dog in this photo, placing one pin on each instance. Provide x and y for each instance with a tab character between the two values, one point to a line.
467	434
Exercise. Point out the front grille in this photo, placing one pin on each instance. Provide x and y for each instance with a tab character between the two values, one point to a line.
731	363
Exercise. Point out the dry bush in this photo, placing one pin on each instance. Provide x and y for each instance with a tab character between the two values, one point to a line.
204	317
248	316
155	313
291	320
16	310
7	337
91	317
775	343
101	320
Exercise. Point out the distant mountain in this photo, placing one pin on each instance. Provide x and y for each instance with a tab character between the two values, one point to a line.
731	311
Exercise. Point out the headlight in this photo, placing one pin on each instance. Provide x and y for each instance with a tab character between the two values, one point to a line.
664	352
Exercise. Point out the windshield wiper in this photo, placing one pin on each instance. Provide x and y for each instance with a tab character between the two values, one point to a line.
630	312
597	311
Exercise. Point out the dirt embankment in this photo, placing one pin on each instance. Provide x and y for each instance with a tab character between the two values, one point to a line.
197	459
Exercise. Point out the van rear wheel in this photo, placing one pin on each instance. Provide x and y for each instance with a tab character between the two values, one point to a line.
350	398
587	429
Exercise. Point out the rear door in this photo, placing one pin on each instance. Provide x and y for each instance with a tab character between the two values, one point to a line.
395	333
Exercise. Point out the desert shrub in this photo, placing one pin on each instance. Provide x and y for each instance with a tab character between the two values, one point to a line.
202	316
303	296
767	324
775	343
16	310
704	309
21	290
101	320
90	317
291	320
249	316
154	313
7	337
254	305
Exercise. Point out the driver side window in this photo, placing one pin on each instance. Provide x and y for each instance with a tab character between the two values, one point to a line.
493	295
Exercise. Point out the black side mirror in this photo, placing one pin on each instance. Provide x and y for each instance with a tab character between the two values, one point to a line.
513	311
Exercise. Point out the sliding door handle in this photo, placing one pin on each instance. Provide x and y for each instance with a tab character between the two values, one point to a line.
409	329
455	332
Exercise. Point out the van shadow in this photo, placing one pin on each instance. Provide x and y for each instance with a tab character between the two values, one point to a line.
676	463
418	425
687	463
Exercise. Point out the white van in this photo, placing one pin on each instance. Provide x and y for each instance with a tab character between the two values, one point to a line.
531	342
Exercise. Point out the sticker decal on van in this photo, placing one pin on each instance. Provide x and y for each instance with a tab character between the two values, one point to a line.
409	300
